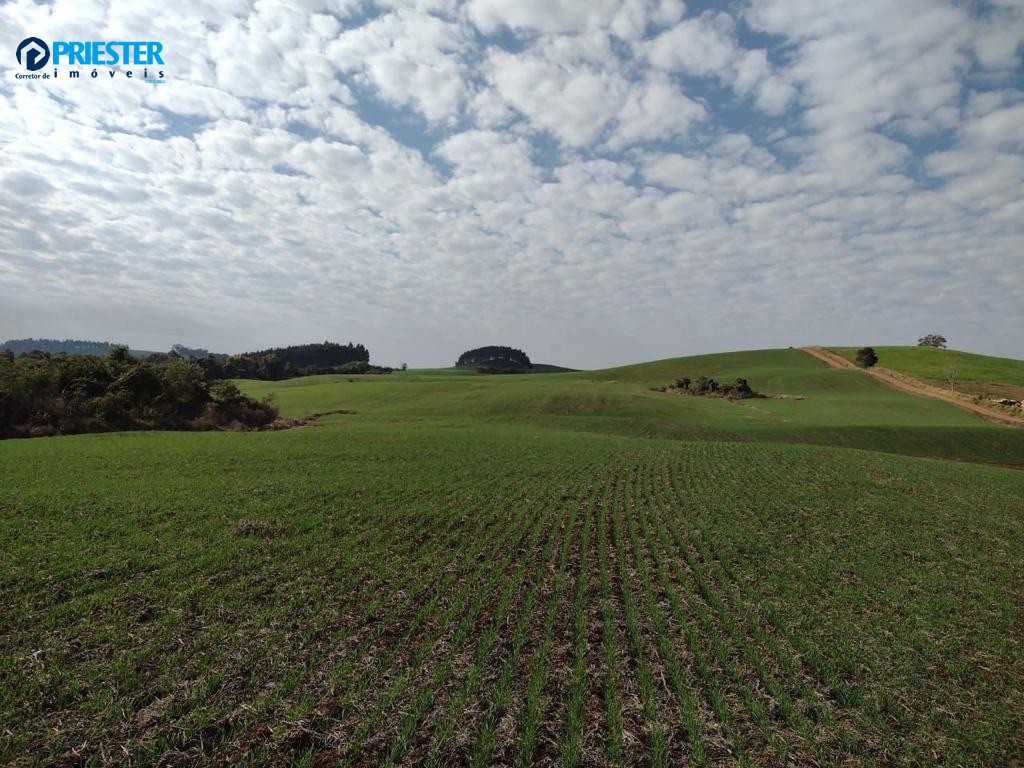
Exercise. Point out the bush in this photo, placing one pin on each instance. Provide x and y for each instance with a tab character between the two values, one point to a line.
42	394
356	366
229	408
866	357
705	386
708	387
739	391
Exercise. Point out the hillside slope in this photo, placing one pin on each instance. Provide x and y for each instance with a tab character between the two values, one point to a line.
840	408
934	364
985	401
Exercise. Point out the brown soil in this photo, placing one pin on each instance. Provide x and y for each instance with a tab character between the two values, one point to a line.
914	386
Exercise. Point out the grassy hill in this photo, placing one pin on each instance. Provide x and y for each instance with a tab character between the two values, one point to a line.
841	408
931	363
545	368
974	374
565	569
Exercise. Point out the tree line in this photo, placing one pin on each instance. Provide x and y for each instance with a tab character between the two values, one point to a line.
43	394
56	346
288	362
495	358
271	364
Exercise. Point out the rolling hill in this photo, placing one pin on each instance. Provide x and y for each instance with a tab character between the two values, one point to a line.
972	374
840	408
569	569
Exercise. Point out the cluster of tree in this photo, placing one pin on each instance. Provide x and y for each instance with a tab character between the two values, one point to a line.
866	357
43	394
708	387
932	340
268	364
288	362
56	346
495	360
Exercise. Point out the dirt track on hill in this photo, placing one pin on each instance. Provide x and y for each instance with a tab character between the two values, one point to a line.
914	386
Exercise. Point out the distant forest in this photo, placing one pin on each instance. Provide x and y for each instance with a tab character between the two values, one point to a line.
498	359
287	362
56	346
268	364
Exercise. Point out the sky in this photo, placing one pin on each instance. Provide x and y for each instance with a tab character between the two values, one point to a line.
594	182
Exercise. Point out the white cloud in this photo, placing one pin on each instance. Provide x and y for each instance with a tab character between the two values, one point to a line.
1000	127
488	166
578	90
655	109
408	58
575	103
542	15
697	46
595	171
999	38
706	46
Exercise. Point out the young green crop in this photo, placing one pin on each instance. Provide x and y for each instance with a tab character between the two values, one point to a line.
566	569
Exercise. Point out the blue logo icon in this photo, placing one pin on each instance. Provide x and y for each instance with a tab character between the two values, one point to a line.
36	53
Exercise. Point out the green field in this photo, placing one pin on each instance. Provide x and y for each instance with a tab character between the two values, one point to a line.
568	569
996	376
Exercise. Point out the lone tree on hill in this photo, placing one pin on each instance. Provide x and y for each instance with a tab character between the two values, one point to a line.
932	340
495	359
866	357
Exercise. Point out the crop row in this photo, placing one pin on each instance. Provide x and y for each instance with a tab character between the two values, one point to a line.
650	607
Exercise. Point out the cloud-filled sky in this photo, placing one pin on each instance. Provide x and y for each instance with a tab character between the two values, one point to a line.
596	182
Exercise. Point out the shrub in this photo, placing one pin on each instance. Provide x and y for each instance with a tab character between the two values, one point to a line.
42	394
706	386
866	357
740	390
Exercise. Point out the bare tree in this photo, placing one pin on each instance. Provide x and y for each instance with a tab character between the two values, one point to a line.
952	375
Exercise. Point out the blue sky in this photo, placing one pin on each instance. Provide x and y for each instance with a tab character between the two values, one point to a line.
596	182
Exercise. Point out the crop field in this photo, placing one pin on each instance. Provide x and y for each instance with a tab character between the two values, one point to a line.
566	569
